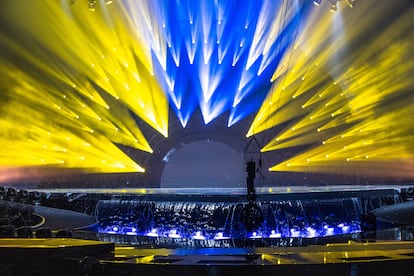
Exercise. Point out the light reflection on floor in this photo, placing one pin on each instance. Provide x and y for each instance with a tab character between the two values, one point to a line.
351	252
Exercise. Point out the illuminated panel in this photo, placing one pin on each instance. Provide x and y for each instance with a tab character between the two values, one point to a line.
215	56
354	112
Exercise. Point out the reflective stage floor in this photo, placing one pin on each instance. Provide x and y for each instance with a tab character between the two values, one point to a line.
78	257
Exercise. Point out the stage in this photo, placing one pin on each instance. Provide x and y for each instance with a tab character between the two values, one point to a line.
217	218
302	230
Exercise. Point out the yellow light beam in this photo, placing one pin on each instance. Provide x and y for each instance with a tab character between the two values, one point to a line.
361	112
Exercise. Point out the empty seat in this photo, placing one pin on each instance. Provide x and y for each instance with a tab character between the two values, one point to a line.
11	193
23	196
26	212
4	221
64	233
43	233
35	197
17	221
2	192
24	232
13	209
7	231
4	208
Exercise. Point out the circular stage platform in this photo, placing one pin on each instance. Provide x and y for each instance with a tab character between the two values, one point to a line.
305	230
205	218
56	219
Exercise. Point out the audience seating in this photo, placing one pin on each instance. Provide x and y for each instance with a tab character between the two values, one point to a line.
43	233
24	232
7	231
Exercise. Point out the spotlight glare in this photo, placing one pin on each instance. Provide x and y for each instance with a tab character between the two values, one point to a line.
198	236
153	233
317	2
274	234
350	3
91	5
220	236
334	5
174	234
254	235
294	233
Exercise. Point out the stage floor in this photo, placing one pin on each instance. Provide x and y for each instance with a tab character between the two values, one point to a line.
56	247
352	258
77	257
350	252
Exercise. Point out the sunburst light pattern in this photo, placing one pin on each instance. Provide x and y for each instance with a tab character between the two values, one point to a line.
79	77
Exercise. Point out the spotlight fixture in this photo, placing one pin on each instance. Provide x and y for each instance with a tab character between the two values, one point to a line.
91	5
317	2
334	5
350	3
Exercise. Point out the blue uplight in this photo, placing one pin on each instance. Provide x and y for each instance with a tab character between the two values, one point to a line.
295	233
307	232
275	235
198	236
345	229
132	231
220	236
254	235
329	230
311	232
152	233
217	56
112	230
173	233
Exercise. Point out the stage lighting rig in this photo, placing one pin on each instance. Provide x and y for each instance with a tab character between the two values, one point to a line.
91	5
350	3
333	4
317	2
251	174
252	216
